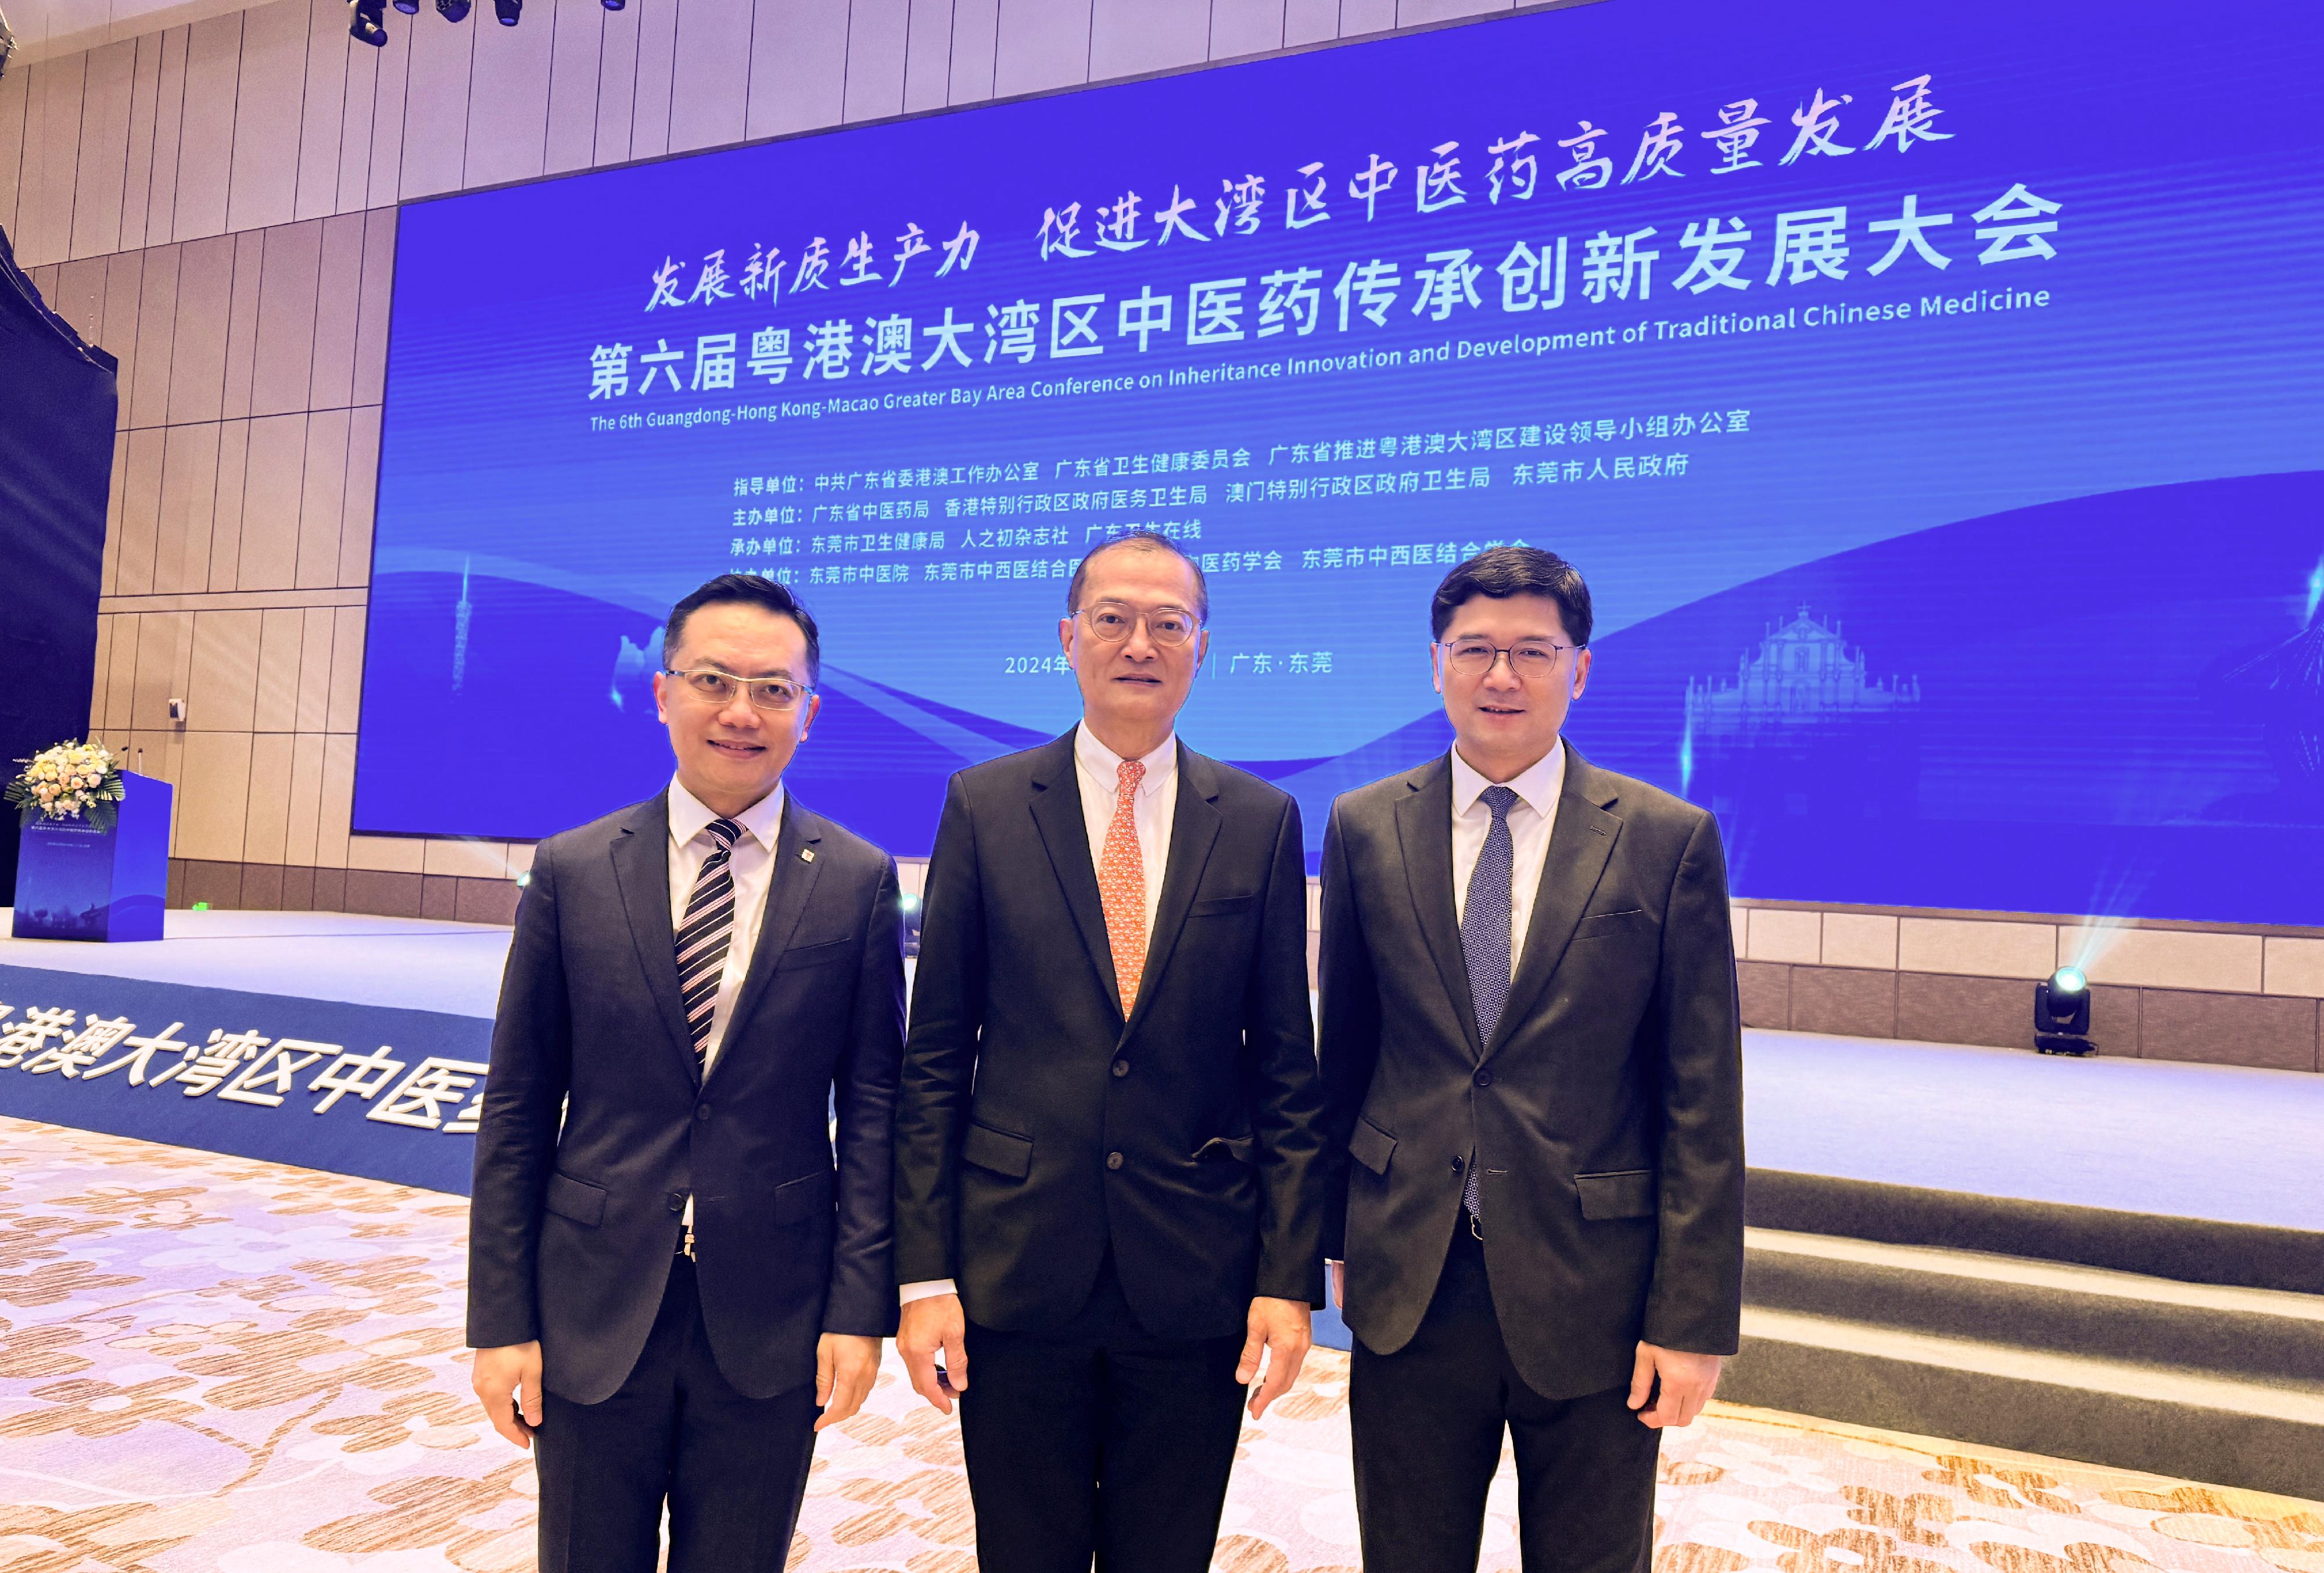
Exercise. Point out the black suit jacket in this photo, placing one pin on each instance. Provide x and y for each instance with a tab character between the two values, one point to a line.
1036	1125
1607	1113
575	1216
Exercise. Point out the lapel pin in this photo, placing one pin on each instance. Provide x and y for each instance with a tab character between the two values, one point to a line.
807	854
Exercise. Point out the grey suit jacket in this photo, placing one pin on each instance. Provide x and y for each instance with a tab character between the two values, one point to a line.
1606	1113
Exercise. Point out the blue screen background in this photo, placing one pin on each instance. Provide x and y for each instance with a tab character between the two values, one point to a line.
1994	609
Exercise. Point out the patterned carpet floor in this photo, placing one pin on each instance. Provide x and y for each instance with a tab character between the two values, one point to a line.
208	1363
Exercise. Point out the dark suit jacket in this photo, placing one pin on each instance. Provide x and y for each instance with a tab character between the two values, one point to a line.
576	1218
1607	1113
1035	1125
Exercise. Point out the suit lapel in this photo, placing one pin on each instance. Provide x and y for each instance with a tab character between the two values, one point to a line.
790	881
1056	809
1193	830
641	873
1423	829
1580	842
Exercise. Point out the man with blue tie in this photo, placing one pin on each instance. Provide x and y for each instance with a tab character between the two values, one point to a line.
679	1269
1532	1061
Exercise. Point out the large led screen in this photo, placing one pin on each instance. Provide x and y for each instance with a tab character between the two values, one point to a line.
1933	397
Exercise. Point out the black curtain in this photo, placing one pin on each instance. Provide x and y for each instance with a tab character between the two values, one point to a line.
56	402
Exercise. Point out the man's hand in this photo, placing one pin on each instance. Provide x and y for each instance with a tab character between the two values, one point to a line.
934	1342
1340	1284
499	1376
1282	1330
846	1367
1688	1381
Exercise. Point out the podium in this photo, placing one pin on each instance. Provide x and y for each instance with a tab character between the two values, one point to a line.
76	881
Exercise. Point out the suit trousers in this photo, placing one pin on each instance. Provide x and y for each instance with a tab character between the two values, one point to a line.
1427	1423
732	1468
1098	1440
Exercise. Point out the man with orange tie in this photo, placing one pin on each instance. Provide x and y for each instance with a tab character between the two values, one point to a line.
1109	1174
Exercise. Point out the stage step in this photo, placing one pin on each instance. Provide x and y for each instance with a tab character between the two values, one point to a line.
2201	1382
2263	1335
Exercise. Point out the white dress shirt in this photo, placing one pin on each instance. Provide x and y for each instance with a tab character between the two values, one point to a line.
1157	804
1531	818
753	865
1100	769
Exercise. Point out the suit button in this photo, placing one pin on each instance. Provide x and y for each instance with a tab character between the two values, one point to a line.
702	1111
1122	1068
1113	1160
1456	1165
677	1199
1484	1079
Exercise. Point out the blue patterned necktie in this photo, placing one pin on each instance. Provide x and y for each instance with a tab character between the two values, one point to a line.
705	935
1485	921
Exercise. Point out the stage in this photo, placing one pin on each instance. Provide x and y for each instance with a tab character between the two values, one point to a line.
2115	1260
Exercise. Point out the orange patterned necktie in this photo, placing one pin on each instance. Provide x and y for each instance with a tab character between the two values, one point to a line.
1121	885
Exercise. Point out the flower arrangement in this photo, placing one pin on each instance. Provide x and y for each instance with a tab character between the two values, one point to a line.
66	782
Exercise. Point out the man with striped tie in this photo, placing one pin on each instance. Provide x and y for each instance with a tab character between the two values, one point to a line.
1106	1148
1532	1059
676	1274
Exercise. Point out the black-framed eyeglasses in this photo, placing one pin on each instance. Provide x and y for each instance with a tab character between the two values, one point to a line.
712	686
1528	658
1114	622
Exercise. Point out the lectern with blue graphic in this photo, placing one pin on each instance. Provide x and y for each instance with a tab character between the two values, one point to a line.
76	881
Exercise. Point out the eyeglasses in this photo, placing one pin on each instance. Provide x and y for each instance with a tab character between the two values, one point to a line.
711	686
1115	621
1531	659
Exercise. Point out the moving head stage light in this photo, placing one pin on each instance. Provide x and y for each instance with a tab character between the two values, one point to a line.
2062	1013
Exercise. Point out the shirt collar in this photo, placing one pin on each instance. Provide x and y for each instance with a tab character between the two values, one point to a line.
1538	787
1104	765
688	817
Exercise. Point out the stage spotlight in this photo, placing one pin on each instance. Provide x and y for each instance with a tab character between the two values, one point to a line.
2062	1013
616	4
510	12
409	7
370	23
452	10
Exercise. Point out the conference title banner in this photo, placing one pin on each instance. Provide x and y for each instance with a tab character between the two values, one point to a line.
1739	323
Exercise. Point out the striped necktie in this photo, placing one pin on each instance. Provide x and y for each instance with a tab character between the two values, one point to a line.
704	934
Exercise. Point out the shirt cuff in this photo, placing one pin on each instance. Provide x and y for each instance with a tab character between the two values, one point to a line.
926	1289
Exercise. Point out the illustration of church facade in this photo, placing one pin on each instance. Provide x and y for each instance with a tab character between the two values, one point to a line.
1803	729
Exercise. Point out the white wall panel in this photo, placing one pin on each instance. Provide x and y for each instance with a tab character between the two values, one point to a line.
390	84
169	121
877	32
1041	44
102	166
975	39
656	55
1358	17
1247	27
1128	37
124	278
205	129
436	103
137	176
148	391
577	45
798	65
205	298
710	74
351	190
617	84
508	96
928	56
51	158
327	107
283	367
12	88
338	300
372	310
